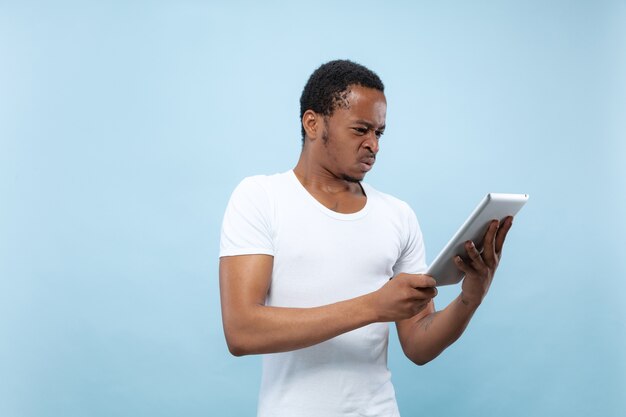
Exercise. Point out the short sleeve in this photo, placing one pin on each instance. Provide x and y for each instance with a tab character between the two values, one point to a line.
247	225
413	257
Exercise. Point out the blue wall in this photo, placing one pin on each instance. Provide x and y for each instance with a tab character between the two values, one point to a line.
125	126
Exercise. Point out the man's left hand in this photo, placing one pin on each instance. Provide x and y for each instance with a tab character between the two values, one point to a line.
480	268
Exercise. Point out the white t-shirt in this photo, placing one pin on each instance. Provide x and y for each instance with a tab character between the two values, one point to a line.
322	257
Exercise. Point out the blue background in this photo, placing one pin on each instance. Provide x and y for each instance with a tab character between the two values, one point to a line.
124	127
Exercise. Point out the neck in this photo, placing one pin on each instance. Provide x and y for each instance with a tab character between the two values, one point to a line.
316	178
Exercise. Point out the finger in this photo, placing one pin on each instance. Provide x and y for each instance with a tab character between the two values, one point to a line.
476	260
489	253
425	293
502	232
422	281
462	265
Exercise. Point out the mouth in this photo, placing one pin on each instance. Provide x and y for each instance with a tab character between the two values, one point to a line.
367	163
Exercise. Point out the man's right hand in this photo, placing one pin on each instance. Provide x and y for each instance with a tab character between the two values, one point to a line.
404	296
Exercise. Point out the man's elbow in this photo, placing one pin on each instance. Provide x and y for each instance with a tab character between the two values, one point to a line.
236	348
242	334
236	345
239	344
421	361
419	358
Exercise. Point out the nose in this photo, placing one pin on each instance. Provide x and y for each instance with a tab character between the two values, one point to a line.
371	142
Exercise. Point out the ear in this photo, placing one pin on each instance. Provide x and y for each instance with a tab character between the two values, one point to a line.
313	124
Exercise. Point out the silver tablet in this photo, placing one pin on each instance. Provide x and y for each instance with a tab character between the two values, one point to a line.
493	206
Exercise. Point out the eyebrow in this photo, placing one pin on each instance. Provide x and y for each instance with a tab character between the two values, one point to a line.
368	124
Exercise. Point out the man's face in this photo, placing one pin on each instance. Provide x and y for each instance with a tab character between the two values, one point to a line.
351	134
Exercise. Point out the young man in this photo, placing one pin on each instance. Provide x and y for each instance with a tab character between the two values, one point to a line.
306	260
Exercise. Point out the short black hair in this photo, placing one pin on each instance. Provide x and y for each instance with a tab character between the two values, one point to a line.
328	86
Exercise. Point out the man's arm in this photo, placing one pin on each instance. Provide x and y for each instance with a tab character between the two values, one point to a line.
252	327
427	334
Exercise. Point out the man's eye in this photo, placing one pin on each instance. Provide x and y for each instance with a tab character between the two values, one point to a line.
360	130
379	133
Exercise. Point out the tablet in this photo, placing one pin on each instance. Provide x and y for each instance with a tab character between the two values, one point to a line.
493	206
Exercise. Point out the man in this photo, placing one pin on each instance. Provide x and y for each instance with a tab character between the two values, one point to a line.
306	260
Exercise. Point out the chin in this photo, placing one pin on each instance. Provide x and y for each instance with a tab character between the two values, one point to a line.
350	178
